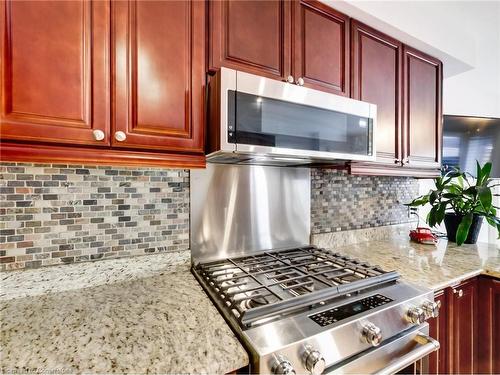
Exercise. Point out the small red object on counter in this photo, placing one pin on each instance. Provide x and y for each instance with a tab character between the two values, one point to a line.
423	236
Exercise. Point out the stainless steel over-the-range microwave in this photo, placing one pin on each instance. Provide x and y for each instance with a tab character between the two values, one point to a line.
257	120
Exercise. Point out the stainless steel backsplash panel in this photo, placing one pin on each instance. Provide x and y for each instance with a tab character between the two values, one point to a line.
240	209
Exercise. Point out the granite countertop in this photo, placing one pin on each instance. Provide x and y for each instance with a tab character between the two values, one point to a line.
149	314
436	267
131	315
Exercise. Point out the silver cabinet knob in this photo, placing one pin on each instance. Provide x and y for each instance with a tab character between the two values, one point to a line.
431	309
290	79
120	136
372	334
415	315
98	135
300	81
282	366
460	292
313	361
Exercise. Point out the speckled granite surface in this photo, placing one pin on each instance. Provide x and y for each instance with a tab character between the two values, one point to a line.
149	315
135	315
433	266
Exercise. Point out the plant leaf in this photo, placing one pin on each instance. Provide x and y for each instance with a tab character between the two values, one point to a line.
485	172
471	191
485	197
453	188
432	198
440	213
463	228
446	182
450	195
420	201
492	219
431	219
479	172
438	182
453	174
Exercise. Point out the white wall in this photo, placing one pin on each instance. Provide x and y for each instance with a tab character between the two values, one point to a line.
465	35
477	91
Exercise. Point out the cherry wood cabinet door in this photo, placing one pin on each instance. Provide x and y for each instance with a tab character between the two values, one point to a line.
489	326
54	71
464	337
321	47
422	110
251	36
377	78
438	361
159	74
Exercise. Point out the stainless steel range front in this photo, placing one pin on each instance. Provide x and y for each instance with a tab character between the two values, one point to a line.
298	308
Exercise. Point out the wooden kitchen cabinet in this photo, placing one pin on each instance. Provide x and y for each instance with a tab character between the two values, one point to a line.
422	120
124	82
278	38
438	361
458	329
121	82
251	36
159	74
406	85
321	47
377	78
463	342
55	75
489	326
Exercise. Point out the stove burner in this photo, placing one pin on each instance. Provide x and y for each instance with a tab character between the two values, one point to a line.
269	283
255	302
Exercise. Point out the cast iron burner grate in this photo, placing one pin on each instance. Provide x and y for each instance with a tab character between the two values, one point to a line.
274	283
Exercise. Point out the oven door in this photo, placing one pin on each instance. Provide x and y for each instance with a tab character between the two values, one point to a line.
412	347
277	119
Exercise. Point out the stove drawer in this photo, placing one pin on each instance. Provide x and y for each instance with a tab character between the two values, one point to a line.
392	356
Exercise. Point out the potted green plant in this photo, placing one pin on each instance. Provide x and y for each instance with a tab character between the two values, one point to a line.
461	202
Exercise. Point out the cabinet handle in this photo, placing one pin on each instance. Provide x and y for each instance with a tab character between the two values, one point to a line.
300	81
290	79
98	135
405	161
460	292
120	136
397	161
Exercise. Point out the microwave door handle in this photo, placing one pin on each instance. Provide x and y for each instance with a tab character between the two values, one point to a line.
426	346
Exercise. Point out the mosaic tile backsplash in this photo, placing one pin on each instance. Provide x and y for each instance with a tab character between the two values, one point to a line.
340	201
56	214
53	214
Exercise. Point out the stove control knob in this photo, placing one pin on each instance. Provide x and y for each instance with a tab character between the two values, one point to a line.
415	315
313	361
372	334
282	366
431	309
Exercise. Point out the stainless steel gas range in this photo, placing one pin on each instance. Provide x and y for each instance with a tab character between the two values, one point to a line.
295	307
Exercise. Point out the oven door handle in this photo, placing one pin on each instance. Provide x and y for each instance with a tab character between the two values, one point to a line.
427	346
